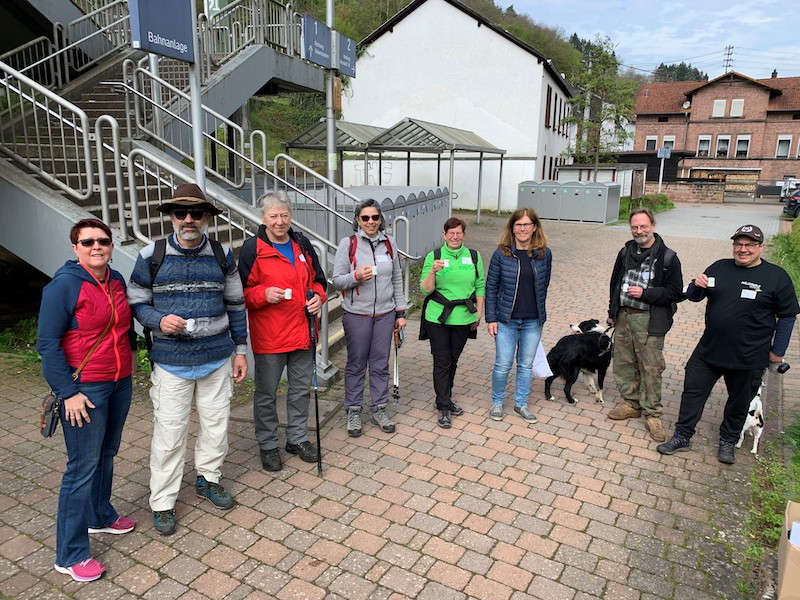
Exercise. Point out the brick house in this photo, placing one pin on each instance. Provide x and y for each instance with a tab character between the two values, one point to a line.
737	128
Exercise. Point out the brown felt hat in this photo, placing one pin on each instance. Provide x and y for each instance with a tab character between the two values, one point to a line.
188	195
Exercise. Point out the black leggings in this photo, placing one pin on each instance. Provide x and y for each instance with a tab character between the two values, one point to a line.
742	385
447	343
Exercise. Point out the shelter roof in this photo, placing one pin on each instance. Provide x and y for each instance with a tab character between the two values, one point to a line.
349	136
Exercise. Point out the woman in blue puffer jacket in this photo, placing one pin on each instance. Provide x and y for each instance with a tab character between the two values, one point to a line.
516	291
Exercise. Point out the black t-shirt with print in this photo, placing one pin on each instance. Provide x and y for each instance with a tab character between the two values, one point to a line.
741	312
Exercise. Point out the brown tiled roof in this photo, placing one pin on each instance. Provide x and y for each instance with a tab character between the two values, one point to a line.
664	98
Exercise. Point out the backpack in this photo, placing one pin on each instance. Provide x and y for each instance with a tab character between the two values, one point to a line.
354	244
159	252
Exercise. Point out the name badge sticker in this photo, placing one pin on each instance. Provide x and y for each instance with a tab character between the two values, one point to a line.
749	294
303	258
466	260
383	258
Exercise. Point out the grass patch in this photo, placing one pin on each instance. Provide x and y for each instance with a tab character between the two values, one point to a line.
655	202
20	339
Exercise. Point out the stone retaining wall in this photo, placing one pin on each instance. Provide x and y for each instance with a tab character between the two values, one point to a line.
710	192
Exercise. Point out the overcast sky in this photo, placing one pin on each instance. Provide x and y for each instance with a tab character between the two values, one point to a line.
765	35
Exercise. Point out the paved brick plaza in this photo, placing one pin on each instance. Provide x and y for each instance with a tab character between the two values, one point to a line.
574	507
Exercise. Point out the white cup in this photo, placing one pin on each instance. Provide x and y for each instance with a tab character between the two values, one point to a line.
446	262
191	325
624	288
711	282
287	294
374	270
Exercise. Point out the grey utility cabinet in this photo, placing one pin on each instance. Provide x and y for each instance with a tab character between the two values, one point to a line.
571	201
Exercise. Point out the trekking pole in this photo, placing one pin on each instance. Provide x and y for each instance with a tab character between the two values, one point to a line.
398	341
312	332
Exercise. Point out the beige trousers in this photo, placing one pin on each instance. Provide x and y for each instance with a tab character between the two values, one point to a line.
172	406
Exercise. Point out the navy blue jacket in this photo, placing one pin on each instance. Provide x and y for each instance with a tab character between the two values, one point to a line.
501	285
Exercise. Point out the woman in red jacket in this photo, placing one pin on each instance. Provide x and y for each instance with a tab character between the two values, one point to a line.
85	321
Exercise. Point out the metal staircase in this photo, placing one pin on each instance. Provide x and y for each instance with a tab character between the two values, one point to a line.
88	126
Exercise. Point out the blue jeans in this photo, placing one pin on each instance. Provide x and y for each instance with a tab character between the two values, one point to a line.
85	497
520	337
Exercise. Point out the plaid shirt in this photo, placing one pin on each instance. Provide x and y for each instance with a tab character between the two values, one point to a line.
638	277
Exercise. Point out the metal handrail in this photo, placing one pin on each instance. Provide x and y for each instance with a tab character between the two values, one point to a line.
21	56
40	98
101	171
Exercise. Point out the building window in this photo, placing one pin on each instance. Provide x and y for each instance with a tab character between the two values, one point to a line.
663	119
544	165
782	149
723	141
742	146
737	107
668	141
719	108
547	107
703	145
650	142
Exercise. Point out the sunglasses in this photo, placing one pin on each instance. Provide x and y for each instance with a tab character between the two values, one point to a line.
366	218
180	213
89	242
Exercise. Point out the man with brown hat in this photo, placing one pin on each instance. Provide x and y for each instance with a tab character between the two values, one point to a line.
750	314
186	289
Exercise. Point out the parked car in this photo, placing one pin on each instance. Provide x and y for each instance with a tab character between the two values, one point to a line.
792	206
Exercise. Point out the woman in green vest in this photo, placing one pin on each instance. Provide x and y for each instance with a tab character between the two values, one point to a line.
452	276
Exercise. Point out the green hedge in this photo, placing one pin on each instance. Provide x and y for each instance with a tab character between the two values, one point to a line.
655	202
786	252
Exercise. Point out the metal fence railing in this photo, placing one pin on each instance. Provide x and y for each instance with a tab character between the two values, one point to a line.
40	53
92	37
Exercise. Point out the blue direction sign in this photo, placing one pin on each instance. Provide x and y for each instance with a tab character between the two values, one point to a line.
347	55
663	153
163	28
316	42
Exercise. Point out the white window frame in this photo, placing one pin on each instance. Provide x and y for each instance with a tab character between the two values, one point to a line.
737	107
718	109
703	138
654	138
716	146
668	138
783	138
742	138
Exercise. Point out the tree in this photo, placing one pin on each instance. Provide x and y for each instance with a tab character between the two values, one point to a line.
678	72
603	104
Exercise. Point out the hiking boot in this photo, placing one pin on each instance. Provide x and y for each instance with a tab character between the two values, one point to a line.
726	454
354	422
382	420
456	410
496	412
444	419
164	521
271	459
218	495
674	444
86	570
305	450
526	414
656	429
623	410
120	526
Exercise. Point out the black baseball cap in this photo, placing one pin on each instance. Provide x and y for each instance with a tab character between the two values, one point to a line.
749	231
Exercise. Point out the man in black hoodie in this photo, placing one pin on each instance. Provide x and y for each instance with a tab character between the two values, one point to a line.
645	286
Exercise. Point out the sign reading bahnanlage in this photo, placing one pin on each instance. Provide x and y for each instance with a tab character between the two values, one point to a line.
347	55
163	27
316	42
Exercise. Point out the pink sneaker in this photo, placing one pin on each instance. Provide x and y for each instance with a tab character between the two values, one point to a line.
121	525
86	570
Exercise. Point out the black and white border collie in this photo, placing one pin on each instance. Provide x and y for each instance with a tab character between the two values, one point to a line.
587	352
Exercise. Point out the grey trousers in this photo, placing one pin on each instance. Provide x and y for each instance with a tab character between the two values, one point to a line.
268	370
369	340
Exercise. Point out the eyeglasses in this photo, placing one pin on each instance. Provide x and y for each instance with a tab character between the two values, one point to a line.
366	218
89	242
180	213
745	244
523	225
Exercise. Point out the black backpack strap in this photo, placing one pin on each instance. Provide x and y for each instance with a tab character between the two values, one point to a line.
159	251
474	255
669	256
219	254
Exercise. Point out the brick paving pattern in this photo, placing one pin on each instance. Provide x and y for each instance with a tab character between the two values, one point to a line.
574	507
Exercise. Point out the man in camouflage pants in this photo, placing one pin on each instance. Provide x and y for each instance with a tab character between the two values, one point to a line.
645	286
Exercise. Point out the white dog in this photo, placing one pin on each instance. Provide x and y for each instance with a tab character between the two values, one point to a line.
755	421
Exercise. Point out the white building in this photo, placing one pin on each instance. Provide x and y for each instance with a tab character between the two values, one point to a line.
440	61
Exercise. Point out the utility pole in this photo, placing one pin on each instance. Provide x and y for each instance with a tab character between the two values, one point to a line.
331	120
198	144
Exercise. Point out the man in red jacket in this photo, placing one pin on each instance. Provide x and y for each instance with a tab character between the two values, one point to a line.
278	268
